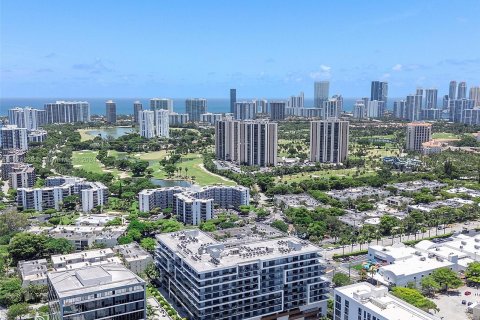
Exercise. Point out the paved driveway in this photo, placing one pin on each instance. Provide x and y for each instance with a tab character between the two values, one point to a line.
451	306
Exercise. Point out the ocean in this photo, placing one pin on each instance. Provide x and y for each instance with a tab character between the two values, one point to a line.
125	105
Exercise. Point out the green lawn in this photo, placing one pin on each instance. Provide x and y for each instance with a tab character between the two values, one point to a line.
193	162
86	159
149	156
321	174
444	135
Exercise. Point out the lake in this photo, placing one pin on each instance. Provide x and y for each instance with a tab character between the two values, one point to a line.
171	183
114	132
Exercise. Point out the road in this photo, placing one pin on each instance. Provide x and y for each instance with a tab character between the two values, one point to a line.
458	227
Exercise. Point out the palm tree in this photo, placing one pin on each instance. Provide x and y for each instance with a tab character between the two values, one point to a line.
186	171
152	312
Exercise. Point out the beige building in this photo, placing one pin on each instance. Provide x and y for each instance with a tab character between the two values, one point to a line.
431	147
329	141
253	142
418	133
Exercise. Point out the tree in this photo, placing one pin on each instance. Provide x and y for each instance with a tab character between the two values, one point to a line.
280	225
17	311
446	278
26	246
70	202
414	297
58	246
12	222
138	167
473	273
148	244
429	285
11	291
151	272
387	223
340	279
36	292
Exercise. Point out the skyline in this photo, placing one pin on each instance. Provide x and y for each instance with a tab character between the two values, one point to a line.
263	49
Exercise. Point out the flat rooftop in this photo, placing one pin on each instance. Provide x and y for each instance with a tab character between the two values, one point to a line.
414	265
397	252
92	279
132	251
83	255
203	253
378	300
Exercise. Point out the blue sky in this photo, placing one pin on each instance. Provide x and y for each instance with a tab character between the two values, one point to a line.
263	48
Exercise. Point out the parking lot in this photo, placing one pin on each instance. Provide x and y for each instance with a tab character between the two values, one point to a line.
451	306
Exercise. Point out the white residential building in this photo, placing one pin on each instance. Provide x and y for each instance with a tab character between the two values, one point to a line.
134	256
359	110
375	109
175	118
83	259
84	237
27	117
162	125
37	136
363	301
147	125
210	118
92	194
33	272
67	112
194	205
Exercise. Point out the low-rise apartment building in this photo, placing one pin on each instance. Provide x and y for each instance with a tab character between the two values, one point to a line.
108	291
134	257
92	194
194	205
33	272
363	301
77	260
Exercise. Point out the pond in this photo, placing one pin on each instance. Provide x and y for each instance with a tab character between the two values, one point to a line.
114	132
170	183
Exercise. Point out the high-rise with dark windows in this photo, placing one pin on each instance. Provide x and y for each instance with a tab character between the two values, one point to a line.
462	90
379	91
321	93
195	108
329	141
252	143
233	99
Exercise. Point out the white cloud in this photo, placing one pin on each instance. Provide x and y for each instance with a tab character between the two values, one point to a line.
397	67
386	75
324	72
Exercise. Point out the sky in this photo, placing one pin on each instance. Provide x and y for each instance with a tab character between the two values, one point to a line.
267	48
